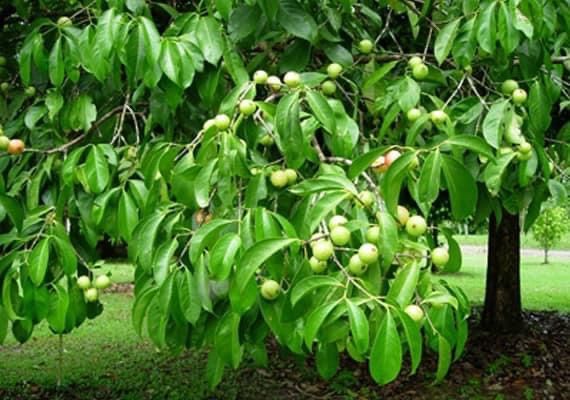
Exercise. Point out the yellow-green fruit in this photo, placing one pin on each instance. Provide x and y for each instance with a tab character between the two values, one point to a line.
509	86
403	215
270	289
260	77
440	256
328	87
209	123
414	312
420	71
292	79
64	21
366	198
222	121
415	61
438	116
340	235
323	250
416	226
366	46
84	282
337	220
266	140
4	143
413	114
291	176
525	147
274	83
334	70
524	156
356	266
373	234
317	266
91	295
368	253
2	61
247	107
102	282
4	86
519	96
279	179
30	91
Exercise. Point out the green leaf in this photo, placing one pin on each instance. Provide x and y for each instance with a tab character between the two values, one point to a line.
170	61
59	303
223	256
358	326
209	35
67	255
54	103
141	246
296	20
310	284
243	22
10	288
33	115
508	35
38	261
408	94
388	237
83	113
455	258
327	360
161	261
493	174
493	124
291	139
322	110
214	369
386	353
127	216
3	325
315	321
56	65
14	210
404	285
428	184
558	191
445	39
379	74
324	206
324	183
202	184
97	170
140	307
204	235
413	338
439	298
539	110
473	143
392	182
257	255
444	359
461	186
188	297
227	339
487	32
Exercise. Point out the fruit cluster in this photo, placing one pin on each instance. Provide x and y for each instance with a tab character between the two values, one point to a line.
11	146
283	177
91	289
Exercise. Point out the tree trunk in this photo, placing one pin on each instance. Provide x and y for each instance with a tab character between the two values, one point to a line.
502	311
545	255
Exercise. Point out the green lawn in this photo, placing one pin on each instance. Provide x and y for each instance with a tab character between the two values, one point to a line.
527	241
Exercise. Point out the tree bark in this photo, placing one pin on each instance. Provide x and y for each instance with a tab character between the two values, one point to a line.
546	255
502	311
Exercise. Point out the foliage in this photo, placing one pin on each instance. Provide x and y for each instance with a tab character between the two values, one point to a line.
139	132
550	227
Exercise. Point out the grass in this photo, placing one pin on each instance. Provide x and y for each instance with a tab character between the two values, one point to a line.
527	241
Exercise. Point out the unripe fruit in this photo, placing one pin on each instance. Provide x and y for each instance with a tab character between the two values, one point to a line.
468	69
334	70
315	238
439	256
247	107
509	86
2	61
415	61
416	226
414	163
373	234
413	114
438	116
420	71
379	165
505	150
30	91
270	289
222	122
392	156
366	46
279	179
83	282
291	176
102	282
525	147
260	77
513	134
274	83
328	87
366	198
368	253
64	21
356	266
317	266
4	86
266	140
519	96
415	312
323	250
209	123
340	235
91	295
4	143
15	147
524	156
292	79
337	220
403	215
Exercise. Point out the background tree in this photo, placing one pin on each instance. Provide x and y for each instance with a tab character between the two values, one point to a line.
549	227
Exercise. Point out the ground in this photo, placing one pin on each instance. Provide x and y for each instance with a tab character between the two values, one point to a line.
104	359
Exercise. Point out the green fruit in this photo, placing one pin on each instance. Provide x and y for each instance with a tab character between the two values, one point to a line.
438	117
413	114
468	69
209	123
292	79
102	282
416	226
4	86
340	235
513	134
274	83
323	250
317	266
505	150
270	289
260	77
334	70
2	61
291	176
509	86
30	91
525	147
415	61
373	234
366	198
365	46
84	282
4	143
519	96
337	220
356	266
439	256
368	253
403	215
64	21
420	71
328	87
266	140
222	122
91	295
279	179
247	107
415	312
524	156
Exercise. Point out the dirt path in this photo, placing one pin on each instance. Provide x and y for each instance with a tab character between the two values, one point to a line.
562	255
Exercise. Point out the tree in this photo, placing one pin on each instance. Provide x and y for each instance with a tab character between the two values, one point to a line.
549	227
254	205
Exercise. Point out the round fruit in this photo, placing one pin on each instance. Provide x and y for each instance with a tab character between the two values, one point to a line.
328	87
415	312
274	83
413	114
2	61
340	235
102	282
392	156
416	226
356	266
222	122
291	176
337	220
64	21
270	289
509	86
368	253
30	91
334	70
266	140
209	123
438	116
84	282
403	215
525	147
366	198
292	79
513	134
412	62
247	107
420	71
279	179
4	86
366	46
439	256
379	165
91	295
323	250
4	143
317	266
519	96
524	156
468	69
315	238
15	147
373	234
505	150
260	77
